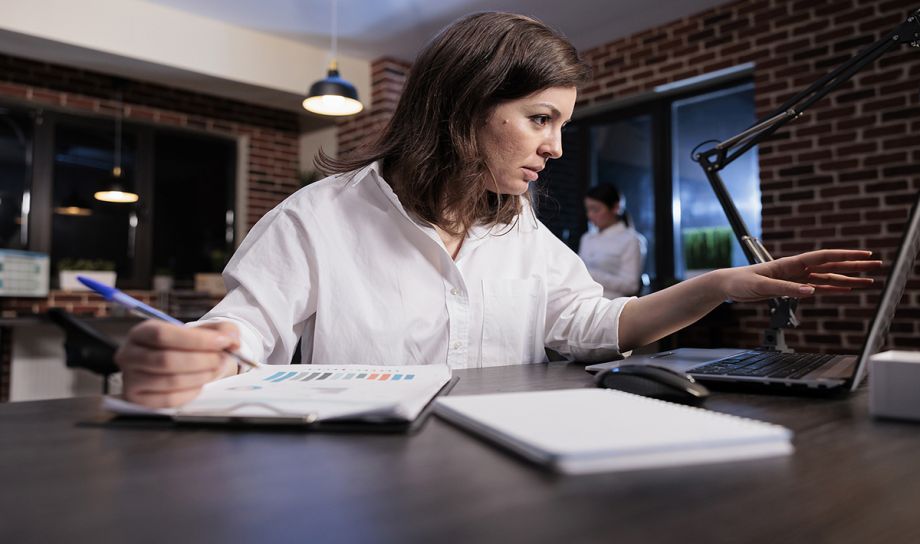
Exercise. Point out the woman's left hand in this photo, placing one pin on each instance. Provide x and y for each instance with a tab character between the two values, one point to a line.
798	276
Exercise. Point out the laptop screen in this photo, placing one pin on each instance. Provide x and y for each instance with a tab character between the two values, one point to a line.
891	294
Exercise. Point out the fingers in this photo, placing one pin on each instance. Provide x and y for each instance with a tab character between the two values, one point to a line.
838	280
783	288
227	329
819	271
762	287
161	361
162	335
814	258
846	266
163	400
167	365
832	289
141	382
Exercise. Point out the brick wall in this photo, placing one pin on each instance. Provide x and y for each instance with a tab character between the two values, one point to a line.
273	134
273	139
843	176
83	303
387	78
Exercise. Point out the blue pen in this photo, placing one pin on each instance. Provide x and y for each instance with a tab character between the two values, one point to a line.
140	309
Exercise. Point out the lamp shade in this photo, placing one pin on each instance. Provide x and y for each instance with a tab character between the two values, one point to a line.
74	205
333	96
115	192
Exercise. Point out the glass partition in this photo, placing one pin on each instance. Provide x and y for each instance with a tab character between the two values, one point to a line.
84	228
16	130
703	238
621	154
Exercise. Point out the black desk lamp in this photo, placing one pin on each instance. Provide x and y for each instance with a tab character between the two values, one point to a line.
714	160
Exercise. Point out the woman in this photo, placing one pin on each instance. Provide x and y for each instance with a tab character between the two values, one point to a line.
425	248
615	254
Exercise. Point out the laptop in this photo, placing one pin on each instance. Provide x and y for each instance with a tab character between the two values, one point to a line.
795	372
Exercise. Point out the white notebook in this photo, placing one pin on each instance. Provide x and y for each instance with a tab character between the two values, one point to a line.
593	430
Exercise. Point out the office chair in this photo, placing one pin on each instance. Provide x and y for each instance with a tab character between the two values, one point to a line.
85	347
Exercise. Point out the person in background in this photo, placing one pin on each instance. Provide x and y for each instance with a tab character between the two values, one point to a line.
615	254
424	248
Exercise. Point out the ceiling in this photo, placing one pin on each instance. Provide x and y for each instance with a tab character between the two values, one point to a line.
267	52
371	29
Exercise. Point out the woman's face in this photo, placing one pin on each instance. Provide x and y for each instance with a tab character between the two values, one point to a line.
519	136
601	215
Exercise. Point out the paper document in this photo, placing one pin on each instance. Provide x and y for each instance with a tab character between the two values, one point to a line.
308	393
593	430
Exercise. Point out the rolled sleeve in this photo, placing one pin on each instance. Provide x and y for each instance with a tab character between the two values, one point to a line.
270	288
580	323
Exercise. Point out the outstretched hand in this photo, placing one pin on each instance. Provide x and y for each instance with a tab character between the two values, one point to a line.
799	275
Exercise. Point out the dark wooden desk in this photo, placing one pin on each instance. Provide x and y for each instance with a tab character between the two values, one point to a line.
68	475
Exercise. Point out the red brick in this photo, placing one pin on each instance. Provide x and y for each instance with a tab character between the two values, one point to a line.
868	202
14	90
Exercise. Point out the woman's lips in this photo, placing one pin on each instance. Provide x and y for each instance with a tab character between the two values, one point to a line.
530	175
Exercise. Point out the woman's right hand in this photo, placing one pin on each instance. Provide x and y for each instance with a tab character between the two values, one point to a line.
165	365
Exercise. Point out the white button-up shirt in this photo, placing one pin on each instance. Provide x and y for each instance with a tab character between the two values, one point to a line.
343	268
615	258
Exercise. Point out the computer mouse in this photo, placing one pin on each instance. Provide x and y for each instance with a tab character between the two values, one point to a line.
653	381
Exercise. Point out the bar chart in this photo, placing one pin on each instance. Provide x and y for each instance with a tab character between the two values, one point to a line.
290	376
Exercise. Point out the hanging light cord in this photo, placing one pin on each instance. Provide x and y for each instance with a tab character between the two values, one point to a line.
335	37
118	133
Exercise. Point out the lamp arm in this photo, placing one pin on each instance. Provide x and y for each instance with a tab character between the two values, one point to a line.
725	152
718	157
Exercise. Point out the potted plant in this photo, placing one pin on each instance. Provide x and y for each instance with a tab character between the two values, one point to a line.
707	248
212	282
100	270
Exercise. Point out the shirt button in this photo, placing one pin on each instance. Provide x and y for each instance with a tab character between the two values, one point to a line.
455	291
457	345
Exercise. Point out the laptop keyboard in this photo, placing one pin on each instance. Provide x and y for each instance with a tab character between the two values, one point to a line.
765	364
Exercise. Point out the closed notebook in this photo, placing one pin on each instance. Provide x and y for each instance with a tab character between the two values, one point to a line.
594	430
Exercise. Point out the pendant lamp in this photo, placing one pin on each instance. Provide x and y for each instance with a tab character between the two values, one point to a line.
115	190
74	205
333	95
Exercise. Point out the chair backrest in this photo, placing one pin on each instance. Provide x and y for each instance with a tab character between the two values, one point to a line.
85	347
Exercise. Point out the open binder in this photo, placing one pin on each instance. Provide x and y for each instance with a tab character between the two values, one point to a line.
318	397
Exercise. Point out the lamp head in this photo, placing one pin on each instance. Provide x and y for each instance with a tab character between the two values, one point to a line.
333	96
115	191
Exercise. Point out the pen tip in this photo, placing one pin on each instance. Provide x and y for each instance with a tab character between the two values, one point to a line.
104	290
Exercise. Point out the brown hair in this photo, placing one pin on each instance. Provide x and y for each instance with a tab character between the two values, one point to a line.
429	151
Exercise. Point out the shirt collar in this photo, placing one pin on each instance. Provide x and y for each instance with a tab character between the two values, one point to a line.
619	226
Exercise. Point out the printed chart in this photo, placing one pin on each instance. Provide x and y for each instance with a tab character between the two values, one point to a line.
282	376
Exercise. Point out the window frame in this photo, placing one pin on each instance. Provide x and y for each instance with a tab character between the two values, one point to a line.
658	107
41	183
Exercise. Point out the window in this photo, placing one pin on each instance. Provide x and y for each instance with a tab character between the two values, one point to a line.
622	155
81	226
184	222
193	178
703	237
15	172
645	150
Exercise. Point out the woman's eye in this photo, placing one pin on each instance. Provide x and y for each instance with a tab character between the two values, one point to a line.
541	119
